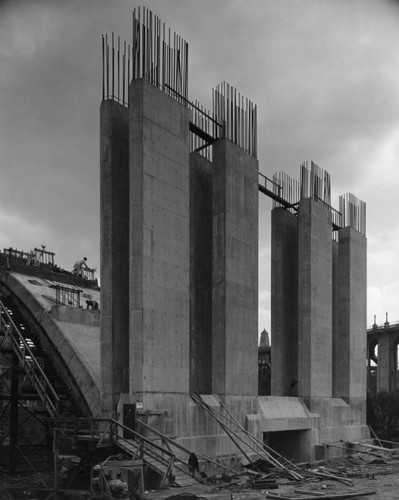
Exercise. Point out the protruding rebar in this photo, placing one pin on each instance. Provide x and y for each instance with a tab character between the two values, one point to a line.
240	122
116	76
353	212
155	58
315	182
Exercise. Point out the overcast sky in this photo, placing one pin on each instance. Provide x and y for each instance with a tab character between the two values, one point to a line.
324	74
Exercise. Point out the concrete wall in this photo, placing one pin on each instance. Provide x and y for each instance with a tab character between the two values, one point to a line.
314	300
200	274
235	270
76	315
284	302
349	367
159	241
114	241
194	428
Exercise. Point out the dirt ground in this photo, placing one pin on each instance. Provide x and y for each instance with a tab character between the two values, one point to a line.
369	476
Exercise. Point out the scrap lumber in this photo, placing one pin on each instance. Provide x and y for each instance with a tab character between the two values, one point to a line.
328	475
375	435
370	446
310	492
357	451
327	496
276	495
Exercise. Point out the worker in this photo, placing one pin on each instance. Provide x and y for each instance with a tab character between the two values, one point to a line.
193	465
79	266
92	304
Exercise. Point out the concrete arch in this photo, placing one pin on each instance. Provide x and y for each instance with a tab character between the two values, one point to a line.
70	336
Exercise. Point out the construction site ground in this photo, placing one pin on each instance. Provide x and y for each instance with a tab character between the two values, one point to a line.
359	476
380	484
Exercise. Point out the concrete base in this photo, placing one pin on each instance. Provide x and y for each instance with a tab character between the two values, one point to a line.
286	424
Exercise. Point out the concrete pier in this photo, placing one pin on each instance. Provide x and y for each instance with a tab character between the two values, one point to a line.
159	242
284	302
114	241
350	340
235	271
188	272
201	175
314	300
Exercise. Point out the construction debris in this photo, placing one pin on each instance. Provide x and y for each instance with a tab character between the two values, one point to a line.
244	441
265	473
300	495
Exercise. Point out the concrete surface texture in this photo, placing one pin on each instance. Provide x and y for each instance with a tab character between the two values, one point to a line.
314	300
318	316
193	292
193	269
201	174
350	340
114	242
284	303
159	241
235	271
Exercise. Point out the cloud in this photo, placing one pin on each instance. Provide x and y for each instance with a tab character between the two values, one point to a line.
323	74
384	300
20	233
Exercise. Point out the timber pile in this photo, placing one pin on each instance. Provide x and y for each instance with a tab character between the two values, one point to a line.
306	495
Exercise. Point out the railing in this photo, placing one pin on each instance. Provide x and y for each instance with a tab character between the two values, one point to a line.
336	216
28	362
383	326
88	274
66	295
162	455
36	257
137	445
40	258
269	184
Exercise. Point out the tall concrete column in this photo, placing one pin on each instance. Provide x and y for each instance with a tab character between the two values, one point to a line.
284	303
114	246
384	364
159	242
336	346
201	172
314	300
235	271
350	339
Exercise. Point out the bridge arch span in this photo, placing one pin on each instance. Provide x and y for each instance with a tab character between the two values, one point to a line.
69	336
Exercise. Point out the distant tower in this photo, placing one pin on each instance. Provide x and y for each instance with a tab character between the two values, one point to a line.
264	339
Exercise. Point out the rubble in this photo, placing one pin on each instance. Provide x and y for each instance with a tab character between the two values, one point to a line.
365	473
